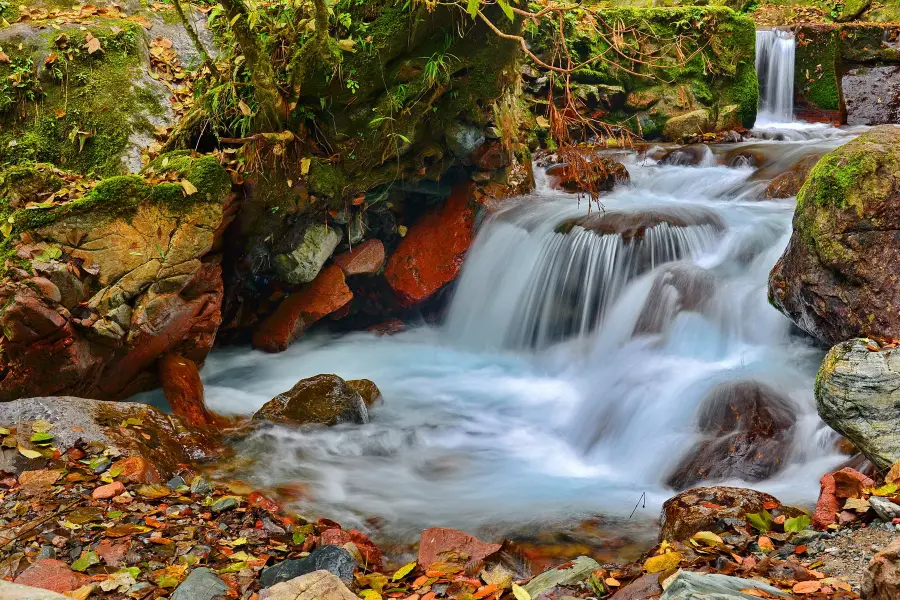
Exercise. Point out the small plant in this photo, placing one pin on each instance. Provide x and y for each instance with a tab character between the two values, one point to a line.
437	68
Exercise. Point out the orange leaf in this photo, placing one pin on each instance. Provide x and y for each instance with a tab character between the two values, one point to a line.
806	587
4	59
765	544
485	591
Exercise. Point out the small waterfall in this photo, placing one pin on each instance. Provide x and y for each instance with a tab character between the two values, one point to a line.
775	69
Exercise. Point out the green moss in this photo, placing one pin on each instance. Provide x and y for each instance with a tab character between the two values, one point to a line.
816	61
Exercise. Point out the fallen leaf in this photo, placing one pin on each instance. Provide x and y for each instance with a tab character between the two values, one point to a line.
92	44
806	587
662	562
403	571
189	188
520	593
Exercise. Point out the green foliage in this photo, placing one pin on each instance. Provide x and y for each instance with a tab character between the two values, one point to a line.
761	521
797	524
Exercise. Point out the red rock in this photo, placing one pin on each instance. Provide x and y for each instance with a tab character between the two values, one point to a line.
440	544
257	500
110	490
325	294
882	580
369	551
849	483
828	505
431	254
490	157
367	258
184	390
54	575
113	552
136	469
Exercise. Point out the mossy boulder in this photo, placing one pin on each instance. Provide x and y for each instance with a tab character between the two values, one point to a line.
837	278
816	63
323	399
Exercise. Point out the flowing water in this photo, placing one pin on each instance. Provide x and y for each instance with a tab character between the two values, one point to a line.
775	66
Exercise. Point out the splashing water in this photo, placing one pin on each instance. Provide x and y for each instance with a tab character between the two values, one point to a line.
567	378
775	69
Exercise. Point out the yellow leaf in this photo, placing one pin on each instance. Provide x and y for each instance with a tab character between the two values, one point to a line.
370	595
520	593
663	562
347	45
888	489
857	504
304	165
402	230
189	188
543	122
707	537
404	571
92	44
893	475
29	453
245	110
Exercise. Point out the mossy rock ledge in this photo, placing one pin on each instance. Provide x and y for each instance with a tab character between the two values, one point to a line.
837	279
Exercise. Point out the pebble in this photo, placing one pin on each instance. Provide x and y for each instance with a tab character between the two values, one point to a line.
224	504
200	486
110	490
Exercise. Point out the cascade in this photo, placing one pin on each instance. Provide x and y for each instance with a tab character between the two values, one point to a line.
775	69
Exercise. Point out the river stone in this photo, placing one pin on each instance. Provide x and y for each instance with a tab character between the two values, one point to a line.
688	585
886	510
858	395
693	510
325	399
318	585
333	559
305	260
688	156
882	579
577	570
366	388
17	591
689	124
837	277
201	584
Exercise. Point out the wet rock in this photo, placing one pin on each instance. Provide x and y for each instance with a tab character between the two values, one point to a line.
882	579
439	544
371	554
54	575
336	561
184	390
605	174
856	395
886	510
788	184
304	261
324	399
689	124
200	584
700	508
135	469
634	225
678	287
491	157
833	280
642	588
296	313
16	591
318	585
370	393
169	442
200	486
694	155
463	139
570	573
750	427
688	585
365	259
431	254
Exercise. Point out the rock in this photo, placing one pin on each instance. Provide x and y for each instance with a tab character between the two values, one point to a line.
365	259
371	554
688	585
751	431
439	544
325	399
318	585
200	486
632	226
886	510
54	575
463	139
184	390
729	118
693	123
431	254
491	156
16	591
110	490
851	9
604	176
135	469
370	393
677	287
337	561
694	155
570	573
836	488
304	261
644	587
200	584
857	395
882	579
296	313
700	508
169	444
788	184
834	280
872	95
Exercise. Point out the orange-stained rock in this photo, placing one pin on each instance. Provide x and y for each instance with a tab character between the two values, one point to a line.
110	490
181	383
440	544
431	254
828	506
850	483
367	258
257	500
325	294
136	469
54	575
338	537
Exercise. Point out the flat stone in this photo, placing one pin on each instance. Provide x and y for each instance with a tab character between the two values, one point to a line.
700	586
438	544
54	575
367	258
885	509
201	584
579	570
16	591
882	579
333	559
318	585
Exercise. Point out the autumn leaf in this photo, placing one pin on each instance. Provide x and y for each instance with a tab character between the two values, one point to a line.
189	188
806	587
663	562
92	44
245	109
403	571
4	59
765	544
29	453
797	524
520	593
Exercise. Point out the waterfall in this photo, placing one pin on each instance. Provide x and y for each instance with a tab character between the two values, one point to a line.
775	69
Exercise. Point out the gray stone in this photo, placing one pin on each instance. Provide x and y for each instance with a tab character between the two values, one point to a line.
333	559
858	395
200	486
201	584
700	586
318	585
303	263
872	95
17	591
885	509
463	139
578	571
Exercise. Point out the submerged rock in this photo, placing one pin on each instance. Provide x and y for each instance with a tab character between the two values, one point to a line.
324	399
788	184
688	156
332	559
700	508
836	280
677	287
633	226
857	395
183	388
605	174
750	431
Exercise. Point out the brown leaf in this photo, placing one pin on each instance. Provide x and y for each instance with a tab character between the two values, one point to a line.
806	587
4	59
92	44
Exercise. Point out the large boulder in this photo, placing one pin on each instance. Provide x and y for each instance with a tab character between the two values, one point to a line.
119	276
323	399
837	278
700	509
858	395
748	426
